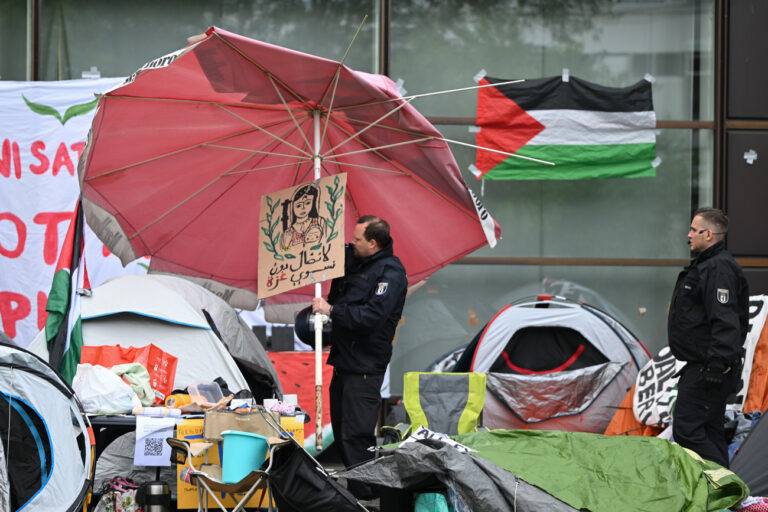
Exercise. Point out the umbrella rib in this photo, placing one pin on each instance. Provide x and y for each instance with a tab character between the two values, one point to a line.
350	200
371	125
299	158
259	152
425	184
435	138
423	95
361	166
333	97
377	148
202	102
189	197
336	77
293	118
385	127
267	132
258	169
263	70
494	150
171	153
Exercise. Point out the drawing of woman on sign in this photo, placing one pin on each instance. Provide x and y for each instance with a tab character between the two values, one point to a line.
302	223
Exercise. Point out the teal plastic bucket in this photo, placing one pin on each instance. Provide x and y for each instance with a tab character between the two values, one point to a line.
243	453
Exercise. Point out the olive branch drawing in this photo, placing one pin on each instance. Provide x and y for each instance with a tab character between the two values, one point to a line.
335	212
74	110
272	237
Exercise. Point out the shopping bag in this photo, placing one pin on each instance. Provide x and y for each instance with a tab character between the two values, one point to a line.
160	364
118	495
102	392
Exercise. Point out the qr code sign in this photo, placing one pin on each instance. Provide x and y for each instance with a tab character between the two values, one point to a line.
153	447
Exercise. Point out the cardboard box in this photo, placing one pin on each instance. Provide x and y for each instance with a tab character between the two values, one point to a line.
186	494
293	427
217	422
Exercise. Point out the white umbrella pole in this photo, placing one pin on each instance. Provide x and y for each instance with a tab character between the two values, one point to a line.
318	316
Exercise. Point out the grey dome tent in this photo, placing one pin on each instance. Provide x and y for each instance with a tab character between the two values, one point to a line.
553	364
182	318
46	444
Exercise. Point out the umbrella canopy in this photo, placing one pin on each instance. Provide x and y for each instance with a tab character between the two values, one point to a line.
179	156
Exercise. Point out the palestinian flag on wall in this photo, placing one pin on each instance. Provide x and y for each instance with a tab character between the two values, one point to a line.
586	130
63	329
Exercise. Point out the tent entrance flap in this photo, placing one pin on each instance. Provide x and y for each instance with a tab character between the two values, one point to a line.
28	447
43	437
546	349
536	398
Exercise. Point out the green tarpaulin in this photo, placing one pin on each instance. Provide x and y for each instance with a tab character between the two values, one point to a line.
537	470
608	473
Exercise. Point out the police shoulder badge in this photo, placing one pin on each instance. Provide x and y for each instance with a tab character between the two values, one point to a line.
381	289
723	294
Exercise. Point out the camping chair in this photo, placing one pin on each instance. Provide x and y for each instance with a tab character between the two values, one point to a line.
296	481
450	403
207	478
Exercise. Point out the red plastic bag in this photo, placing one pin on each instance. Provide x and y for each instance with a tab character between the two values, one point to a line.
160	364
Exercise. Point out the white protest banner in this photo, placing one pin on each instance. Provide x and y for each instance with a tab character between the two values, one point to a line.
656	389
43	129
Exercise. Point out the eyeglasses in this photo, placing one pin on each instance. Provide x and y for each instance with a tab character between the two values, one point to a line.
700	231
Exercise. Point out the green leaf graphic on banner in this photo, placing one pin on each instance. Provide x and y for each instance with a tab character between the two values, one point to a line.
73	111
43	110
79	110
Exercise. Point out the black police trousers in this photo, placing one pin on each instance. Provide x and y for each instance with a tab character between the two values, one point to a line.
698	420
355	402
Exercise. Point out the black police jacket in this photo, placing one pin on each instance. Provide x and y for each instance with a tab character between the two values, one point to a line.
367	304
708	315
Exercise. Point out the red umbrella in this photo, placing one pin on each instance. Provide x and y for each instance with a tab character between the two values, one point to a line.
179	156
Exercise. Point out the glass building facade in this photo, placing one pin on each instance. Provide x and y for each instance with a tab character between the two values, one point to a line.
616	243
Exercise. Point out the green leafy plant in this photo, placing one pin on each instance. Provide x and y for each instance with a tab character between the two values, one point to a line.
73	111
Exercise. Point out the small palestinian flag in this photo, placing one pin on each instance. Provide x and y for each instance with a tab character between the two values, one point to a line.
63	329
586	130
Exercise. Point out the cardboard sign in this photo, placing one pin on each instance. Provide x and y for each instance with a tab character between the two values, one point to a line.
218	421
301	235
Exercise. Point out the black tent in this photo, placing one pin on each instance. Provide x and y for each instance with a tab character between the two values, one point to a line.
749	461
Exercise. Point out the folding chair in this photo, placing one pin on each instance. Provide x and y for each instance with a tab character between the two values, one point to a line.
208	477
450	403
296	481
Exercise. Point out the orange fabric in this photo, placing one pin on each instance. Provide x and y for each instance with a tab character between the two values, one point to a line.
160	365
624	422
757	392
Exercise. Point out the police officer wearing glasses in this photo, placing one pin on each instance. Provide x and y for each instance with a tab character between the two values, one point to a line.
707	326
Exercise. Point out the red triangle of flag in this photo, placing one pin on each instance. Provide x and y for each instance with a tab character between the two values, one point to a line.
505	126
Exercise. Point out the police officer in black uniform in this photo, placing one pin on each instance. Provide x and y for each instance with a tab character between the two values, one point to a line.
364	306
707	326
